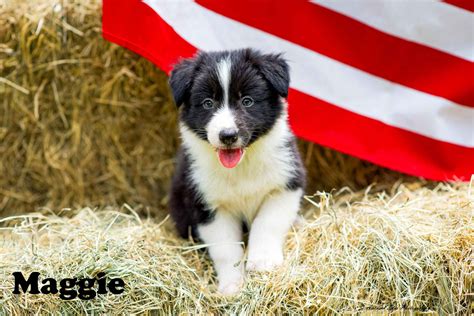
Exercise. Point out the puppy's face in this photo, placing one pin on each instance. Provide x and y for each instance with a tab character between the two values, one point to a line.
230	99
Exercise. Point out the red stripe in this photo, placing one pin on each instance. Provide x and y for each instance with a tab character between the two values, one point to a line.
359	45
134	25
371	140
463	4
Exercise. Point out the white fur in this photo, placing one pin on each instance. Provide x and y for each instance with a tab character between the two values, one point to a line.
264	169
269	229
224	67
254	190
223	118
223	236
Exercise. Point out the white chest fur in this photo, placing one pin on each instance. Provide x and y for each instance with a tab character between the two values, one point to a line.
264	169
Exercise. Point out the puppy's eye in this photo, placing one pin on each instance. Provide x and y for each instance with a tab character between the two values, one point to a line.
247	101
207	103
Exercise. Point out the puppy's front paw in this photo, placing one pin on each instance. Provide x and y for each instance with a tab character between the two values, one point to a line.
264	260
230	286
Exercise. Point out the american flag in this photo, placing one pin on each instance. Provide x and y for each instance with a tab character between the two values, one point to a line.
391	82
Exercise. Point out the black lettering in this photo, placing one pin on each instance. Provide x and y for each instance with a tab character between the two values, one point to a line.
67	292
67	287
50	286
116	286
85	289
25	284
102	285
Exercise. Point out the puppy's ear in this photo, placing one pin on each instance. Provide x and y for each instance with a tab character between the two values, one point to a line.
276	70
181	79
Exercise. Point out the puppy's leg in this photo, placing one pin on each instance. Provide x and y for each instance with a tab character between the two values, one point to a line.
224	236
269	230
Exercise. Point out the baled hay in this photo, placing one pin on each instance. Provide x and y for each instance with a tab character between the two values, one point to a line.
411	250
85	122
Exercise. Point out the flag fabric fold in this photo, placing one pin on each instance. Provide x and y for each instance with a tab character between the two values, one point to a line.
388	82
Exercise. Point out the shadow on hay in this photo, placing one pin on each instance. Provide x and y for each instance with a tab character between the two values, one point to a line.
85	122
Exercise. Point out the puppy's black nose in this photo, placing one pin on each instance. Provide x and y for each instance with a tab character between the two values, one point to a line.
228	136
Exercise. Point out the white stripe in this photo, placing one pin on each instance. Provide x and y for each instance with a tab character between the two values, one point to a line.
431	23
325	78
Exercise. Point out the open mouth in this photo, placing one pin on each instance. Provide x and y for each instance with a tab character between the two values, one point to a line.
230	157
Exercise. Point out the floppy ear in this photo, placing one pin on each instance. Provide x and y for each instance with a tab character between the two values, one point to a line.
181	79
276	70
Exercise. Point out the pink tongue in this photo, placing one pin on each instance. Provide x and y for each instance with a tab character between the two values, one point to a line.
230	158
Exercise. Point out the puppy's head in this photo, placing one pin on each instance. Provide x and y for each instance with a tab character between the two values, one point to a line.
230	99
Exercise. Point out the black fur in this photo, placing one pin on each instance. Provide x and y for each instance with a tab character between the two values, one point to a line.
298	180
264	77
187	207
181	80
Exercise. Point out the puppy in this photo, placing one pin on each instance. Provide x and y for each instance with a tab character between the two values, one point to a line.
238	162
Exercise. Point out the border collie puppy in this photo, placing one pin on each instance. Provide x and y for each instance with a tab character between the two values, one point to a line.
238	164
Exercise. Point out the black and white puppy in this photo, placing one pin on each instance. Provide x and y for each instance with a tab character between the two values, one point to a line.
238	163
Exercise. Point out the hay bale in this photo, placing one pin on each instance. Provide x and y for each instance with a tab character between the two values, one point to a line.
85	122
408	250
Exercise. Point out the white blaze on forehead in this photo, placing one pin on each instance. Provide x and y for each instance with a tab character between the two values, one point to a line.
223	118
223	72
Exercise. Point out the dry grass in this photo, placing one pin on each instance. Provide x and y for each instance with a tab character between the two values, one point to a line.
85	122
409	250
92	121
